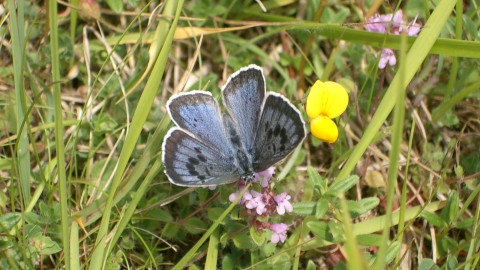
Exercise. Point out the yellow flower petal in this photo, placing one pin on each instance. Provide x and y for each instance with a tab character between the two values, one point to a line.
326	98
324	128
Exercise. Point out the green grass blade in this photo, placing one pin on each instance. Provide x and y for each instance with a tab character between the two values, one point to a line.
442	46
60	147
166	30
212	252
395	151
22	152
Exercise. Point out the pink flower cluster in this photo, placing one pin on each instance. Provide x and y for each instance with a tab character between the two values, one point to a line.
265	203
379	23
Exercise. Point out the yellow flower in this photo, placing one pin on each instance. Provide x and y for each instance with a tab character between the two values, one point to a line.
326	100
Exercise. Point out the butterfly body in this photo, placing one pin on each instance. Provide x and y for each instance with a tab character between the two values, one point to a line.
209	148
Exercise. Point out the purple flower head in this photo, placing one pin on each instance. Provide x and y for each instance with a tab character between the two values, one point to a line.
279	232
267	175
413	28
260	200
379	23
255	202
397	19
388	56
374	24
283	203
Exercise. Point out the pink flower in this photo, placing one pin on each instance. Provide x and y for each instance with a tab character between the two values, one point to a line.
374	25
279	232
379	23
413	28
283	203
267	175
259	199
388	56
397	20
234	196
253	200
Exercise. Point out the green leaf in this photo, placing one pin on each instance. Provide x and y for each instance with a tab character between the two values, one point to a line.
358	208
369	240
342	185
160	214
321	229
223	239
319	184
448	244
304	208
458	171
392	252
428	264
311	265
33	219
133	3
341	266
227	262
32	230
243	241
465	224
8	221
336	228
203	194
215	213
280	262
170	230
432	218
321	208
452	262
195	225
127	243
103	124
269	248
470	163
451	208
115	5
257	237
470	25
45	245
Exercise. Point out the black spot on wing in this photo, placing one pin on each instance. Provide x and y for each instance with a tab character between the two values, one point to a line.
281	130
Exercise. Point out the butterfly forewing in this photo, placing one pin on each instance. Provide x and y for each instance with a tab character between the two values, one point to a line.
280	130
243	96
198	113
191	162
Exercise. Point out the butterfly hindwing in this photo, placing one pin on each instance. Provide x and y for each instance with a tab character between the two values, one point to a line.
280	130
243	96
191	162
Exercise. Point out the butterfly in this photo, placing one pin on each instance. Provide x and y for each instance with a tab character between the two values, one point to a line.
208	147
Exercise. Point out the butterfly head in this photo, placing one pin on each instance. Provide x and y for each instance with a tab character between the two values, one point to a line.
248	177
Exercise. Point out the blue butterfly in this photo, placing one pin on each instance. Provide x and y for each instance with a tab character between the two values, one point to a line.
209	148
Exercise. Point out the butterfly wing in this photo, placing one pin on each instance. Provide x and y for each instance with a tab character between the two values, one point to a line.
243	96
197	153
280	130
191	162
198	113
